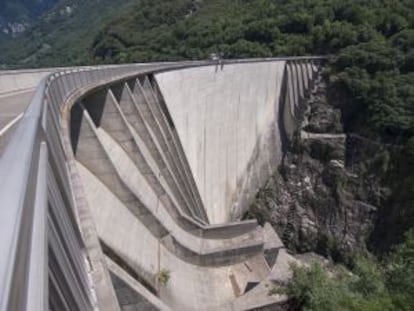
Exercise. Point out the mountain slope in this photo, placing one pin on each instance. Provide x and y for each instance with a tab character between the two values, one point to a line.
60	37
17	15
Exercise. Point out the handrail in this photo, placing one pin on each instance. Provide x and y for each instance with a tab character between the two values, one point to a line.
17	160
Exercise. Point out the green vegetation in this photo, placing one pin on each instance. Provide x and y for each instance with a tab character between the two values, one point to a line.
369	286
163	276
258	209
23	10
313	289
61	37
160	30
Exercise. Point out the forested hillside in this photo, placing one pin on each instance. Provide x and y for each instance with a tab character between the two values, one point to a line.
16	15
62	36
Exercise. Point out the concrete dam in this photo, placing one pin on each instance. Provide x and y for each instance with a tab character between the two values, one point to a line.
132	181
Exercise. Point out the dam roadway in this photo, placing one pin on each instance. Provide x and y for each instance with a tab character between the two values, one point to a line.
151	168
16	90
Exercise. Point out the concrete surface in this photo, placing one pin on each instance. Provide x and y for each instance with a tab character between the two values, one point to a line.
226	121
132	295
140	188
14	81
16	89
210	286
168	164
12	106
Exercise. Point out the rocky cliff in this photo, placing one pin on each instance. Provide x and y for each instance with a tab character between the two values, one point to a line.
324	196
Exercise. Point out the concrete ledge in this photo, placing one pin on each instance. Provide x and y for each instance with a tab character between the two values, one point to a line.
136	286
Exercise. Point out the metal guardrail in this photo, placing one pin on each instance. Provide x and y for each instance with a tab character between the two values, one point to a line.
43	263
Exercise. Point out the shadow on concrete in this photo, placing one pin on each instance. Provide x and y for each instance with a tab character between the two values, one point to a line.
95	104
76	116
282	106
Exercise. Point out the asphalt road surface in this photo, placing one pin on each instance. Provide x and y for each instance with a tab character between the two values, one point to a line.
12	107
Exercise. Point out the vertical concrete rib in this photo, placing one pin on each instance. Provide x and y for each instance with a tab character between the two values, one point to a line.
165	134
290	90
309	70
91	154
172	137
286	106
299	81
302	85
146	110
314	69
133	114
305	78
293	85
123	135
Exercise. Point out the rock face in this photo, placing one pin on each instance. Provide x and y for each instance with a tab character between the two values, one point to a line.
319	200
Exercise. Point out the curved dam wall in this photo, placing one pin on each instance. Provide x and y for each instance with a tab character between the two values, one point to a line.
104	200
168	161
136	189
227	120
